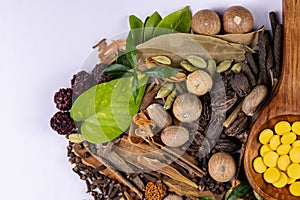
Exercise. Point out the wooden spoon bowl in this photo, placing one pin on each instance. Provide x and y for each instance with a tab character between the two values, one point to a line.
285	103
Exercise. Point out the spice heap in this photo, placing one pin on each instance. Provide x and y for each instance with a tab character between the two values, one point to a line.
158	121
280	156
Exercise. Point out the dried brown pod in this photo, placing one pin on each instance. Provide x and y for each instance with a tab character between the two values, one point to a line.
221	167
237	19
187	107
206	22
240	84
174	136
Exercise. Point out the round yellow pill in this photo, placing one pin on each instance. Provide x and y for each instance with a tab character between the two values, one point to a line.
295	188
295	154
288	138
283	149
271	175
282	127
264	149
291	180
274	142
259	165
270	159
265	136
296	127
282	181
293	171
283	162
296	143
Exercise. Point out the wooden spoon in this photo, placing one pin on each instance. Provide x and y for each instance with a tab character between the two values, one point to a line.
285	104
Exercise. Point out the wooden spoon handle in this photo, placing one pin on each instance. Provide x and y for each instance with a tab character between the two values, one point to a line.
287	98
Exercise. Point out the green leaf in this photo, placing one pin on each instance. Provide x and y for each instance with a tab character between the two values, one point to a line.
131	50
136	29
239	191
106	110
178	21
161	71
122	59
135	86
116	69
204	198
150	25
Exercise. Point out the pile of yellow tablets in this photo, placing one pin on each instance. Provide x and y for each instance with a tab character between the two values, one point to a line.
279	159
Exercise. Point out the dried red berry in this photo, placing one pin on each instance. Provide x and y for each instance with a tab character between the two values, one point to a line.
62	123
63	99
81	82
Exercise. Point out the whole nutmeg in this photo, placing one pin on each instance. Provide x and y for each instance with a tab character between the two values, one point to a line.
159	115
221	167
238	19
206	22
174	136
187	107
199	82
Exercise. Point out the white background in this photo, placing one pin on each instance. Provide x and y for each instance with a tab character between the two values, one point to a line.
42	44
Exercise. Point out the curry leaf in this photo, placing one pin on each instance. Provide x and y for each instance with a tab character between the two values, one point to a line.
239	191
150	25
116	69
106	110
136	27
178	21
161	71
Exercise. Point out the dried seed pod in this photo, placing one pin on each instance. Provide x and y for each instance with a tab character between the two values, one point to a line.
197	61
162	60
237	67
228	144
187	107
206	22
211	67
240	84
238	126
170	99
199	82
187	66
251	62
278	42
254	99
224	66
174	136
221	167
164	91
159	115
247	71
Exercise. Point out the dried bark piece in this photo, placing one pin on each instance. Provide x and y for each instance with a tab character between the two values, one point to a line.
278	43
264	45
108	171
273	21
251	62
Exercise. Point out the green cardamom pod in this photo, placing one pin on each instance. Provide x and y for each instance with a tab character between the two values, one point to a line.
224	66
180	88
237	67
75	138
197	61
187	66
162	60
170	99
211	67
164	91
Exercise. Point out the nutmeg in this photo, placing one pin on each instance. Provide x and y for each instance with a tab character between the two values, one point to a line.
238	19
221	167
206	22
199	82
159	115
187	107
174	136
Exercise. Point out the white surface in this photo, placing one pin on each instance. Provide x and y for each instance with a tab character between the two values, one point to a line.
42	43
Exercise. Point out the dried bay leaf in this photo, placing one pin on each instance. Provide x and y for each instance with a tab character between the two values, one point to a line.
248	39
178	46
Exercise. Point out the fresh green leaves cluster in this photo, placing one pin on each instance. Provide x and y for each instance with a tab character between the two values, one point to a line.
239	191
106	110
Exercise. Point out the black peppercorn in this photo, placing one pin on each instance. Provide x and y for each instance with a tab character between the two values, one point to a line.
81	82
63	99
62	123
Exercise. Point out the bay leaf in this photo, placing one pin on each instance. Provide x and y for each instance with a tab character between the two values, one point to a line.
248	39
178	46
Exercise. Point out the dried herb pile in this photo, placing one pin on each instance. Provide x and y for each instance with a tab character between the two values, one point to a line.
183	109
